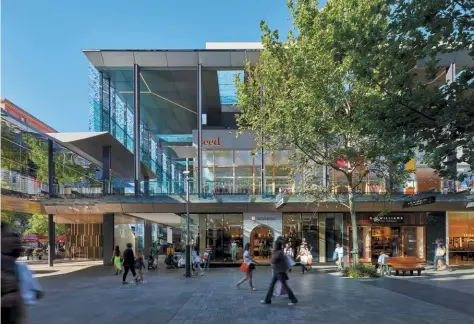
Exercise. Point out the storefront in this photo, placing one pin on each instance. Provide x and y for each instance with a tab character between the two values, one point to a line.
396	234
227	234
461	237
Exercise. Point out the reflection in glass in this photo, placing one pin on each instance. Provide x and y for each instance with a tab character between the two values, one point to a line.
233	237
243	158
223	158
215	236
461	237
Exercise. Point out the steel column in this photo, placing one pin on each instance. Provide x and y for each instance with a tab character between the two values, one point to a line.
51	240
199	130
136	125
262	151
107	166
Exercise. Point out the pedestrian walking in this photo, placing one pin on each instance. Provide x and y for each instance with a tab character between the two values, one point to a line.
139	266
128	263
197	261
289	253
13	308
280	267
247	266
339	256
117	260
207	256
440	256
303	256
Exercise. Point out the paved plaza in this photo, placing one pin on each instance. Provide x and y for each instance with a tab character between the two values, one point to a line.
95	295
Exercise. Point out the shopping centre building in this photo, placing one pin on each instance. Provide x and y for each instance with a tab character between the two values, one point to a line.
155	114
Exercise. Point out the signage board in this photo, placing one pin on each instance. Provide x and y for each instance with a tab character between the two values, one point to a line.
225	139
419	202
388	219
470	204
282	200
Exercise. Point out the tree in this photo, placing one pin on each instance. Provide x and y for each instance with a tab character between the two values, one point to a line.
304	95
39	225
18	221
436	115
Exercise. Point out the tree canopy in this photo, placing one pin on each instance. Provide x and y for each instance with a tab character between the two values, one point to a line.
305	95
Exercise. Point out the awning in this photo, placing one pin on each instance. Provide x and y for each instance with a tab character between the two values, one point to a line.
90	144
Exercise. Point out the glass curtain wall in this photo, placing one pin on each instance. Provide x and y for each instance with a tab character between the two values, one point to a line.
299	226
239	172
128	229
224	234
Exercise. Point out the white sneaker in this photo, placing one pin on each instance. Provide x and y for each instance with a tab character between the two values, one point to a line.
144	281
202	273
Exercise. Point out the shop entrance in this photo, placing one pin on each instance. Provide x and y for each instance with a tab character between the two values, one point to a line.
261	242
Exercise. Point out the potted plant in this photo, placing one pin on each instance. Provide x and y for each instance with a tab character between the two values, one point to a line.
38	253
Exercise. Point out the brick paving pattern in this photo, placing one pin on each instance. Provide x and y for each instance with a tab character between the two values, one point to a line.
94	295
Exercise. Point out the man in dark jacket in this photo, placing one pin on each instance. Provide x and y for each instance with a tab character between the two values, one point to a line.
12	302
128	263
280	268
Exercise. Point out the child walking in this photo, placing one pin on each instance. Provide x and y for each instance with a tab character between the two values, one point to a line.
140	265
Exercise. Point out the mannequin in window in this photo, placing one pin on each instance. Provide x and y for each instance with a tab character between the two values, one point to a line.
233	250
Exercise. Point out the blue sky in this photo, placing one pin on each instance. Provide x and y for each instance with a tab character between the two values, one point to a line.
43	68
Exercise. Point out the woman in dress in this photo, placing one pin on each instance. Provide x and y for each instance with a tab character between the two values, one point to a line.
117	260
250	267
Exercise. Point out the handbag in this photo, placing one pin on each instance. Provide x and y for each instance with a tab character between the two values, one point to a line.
244	267
289	261
441	252
304	259
334	256
310	259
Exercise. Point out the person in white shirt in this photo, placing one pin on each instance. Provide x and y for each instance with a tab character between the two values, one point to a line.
383	263
30	289
339	254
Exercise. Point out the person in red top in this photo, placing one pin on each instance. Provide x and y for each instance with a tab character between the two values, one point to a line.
207	256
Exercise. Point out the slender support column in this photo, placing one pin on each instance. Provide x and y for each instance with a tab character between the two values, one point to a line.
136	124
146	185
188	246
51	187
108	239
322	238
148	239
262	168
199	130
107	166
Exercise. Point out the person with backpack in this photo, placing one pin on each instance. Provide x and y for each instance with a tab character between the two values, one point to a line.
129	263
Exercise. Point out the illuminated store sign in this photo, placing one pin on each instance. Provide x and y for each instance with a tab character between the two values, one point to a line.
214	142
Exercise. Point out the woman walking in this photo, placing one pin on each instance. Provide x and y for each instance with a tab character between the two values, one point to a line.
197	261
249	265
280	268
303	256
117	260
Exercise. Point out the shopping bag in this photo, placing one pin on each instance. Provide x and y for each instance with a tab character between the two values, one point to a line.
334	256
244	267
310	259
290	262
304	260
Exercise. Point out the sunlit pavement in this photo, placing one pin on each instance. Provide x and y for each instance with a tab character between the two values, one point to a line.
95	295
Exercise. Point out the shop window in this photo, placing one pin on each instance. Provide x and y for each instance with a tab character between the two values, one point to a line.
223	158
461	237
215	236
282	158
233	237
414	242
207	158
243	158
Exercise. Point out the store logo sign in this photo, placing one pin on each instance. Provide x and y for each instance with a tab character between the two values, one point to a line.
262	218
387	219
214	142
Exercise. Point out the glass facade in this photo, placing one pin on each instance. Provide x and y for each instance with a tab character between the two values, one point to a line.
128	229
240	172
461	237
397	234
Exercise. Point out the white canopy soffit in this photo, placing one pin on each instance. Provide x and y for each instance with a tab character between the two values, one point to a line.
89	145
169	219
185	152
229	59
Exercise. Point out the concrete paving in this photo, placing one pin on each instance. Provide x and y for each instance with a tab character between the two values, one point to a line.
94	295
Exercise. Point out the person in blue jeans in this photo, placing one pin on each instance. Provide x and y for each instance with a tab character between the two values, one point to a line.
439	254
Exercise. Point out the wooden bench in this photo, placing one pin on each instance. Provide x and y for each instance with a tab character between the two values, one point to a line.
404	265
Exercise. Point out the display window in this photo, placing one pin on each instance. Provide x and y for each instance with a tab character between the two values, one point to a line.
461	237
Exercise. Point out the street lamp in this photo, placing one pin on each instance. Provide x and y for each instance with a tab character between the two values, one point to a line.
188	247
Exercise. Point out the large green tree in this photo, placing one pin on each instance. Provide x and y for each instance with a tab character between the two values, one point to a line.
304	95
39	225
410	64
19	222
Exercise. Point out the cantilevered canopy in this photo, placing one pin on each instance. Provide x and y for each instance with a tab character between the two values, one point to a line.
90	144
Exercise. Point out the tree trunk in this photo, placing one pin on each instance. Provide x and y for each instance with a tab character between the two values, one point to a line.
355	238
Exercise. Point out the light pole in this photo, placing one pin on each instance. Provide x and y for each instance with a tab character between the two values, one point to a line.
188	247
